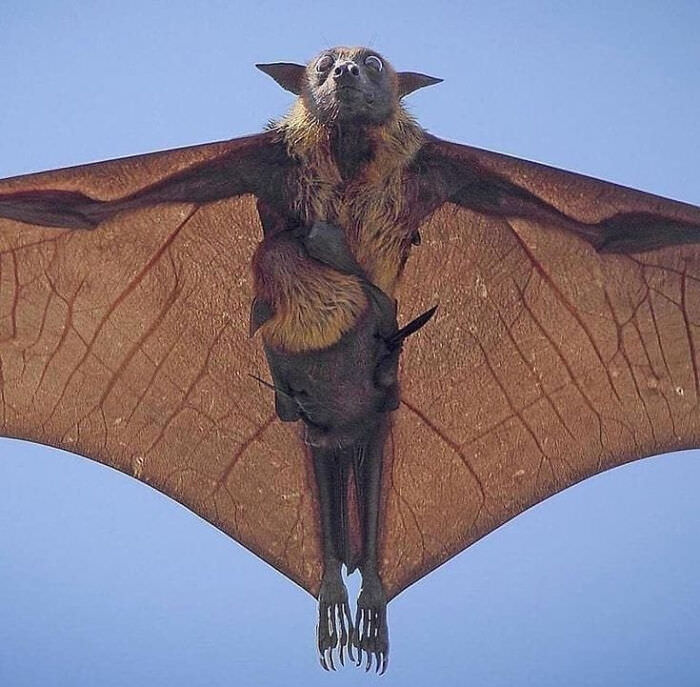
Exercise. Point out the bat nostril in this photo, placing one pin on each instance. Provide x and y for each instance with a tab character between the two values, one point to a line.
354	70
338	70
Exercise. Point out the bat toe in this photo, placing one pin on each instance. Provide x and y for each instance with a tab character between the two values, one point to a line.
335	629
371	635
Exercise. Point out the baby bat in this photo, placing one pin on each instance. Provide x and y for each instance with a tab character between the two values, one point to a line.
583	291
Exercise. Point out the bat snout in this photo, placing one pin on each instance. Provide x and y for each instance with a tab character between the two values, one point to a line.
346	72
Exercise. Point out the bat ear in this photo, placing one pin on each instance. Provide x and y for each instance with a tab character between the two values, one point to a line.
288	75
412	81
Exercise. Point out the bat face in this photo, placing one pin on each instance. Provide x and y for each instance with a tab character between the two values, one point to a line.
351	85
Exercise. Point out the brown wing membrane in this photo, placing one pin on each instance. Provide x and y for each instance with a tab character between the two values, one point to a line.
129	345
547	361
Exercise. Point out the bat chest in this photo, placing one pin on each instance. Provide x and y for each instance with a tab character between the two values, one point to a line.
372	213
314	304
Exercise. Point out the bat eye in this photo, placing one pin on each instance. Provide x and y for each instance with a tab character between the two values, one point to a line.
324	64
374	62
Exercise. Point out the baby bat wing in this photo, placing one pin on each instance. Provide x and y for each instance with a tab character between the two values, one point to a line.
550	360
128	343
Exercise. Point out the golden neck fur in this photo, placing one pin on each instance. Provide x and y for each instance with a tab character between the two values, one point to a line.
371	205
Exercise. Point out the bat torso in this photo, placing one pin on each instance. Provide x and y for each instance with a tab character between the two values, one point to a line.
376	200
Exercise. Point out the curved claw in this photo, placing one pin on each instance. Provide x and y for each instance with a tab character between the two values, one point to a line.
334	631
371	637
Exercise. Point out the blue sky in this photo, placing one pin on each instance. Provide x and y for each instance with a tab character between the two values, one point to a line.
104	581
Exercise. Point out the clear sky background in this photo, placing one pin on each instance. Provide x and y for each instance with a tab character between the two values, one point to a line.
104	581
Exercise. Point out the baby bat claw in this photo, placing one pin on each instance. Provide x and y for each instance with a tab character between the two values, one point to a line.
334	629
371	635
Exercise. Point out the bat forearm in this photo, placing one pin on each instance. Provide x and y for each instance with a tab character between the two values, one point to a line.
467	183
260	170
204	183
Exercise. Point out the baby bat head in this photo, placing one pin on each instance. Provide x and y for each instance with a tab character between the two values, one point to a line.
348	85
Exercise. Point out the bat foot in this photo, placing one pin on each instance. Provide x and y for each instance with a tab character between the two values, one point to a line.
334	629
371	634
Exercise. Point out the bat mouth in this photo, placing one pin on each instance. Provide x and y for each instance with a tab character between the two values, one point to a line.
348	89
351	96
345	91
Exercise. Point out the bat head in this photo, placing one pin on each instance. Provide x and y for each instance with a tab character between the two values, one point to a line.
348	85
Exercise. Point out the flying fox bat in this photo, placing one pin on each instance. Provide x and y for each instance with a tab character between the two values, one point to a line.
565	343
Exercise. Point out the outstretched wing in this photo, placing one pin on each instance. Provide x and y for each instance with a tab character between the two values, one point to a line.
548	361
129	343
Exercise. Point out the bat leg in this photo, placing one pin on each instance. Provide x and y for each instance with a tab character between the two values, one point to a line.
371	635
334	629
